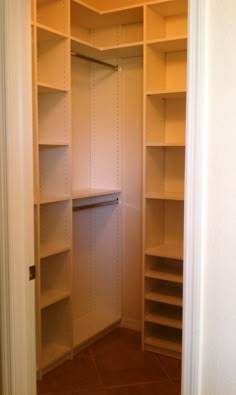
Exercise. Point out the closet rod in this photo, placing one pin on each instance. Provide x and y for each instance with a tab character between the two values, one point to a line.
95	205
112	66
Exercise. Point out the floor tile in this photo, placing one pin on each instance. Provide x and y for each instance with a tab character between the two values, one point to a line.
71	375
164	388
120	361
171	366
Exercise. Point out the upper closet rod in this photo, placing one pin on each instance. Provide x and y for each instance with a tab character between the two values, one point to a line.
112	66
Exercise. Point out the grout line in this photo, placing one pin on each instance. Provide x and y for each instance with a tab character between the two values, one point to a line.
139	383
96	367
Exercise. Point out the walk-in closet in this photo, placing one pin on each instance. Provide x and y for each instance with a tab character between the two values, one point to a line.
109	105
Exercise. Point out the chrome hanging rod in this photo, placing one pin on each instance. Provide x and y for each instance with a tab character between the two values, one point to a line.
95	205
111	66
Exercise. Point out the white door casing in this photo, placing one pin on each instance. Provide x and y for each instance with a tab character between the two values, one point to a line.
18	368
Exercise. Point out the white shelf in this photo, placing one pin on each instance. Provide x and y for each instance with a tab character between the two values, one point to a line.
93	192
165	196
50	88
53	296
168	94
50	249
54	199
165	319
162	343
169	44
165	295
167	275
53	352
174	251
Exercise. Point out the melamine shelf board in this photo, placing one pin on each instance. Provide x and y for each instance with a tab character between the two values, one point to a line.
45	33
53	143
168	94
53	296
93	192
165	295
53	352
163	343
50	249
166	196
165	144
119	51
169	44
167	275
44	87
92	18
173	321
53	199
174	251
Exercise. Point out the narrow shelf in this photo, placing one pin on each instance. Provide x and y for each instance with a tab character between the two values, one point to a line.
53	199
161	342
174	251
128	50
51	297
165	144
171	320
93	192
165	295
53	249
170	275
169	44
50	88
53	143
47	29
166	196
52	352
168	94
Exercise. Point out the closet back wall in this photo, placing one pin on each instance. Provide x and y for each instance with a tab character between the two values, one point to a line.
107	146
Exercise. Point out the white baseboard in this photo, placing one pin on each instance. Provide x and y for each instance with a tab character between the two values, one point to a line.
131	324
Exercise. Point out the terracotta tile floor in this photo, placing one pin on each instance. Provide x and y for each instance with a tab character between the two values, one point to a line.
114	365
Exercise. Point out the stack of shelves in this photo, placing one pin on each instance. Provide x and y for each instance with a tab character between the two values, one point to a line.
53	204
165	57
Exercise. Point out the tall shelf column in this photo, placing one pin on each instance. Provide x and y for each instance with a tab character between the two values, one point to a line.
53	213
164	160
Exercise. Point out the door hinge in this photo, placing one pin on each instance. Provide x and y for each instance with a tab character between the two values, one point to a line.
32	272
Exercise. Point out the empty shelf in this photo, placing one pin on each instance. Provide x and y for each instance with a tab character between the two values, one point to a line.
173	321
52	352
168	94
169	44
51	297
168	275
165	295
161	342
53	248
174	251
166	195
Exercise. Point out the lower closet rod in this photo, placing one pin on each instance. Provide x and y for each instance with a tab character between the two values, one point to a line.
112	66
95	205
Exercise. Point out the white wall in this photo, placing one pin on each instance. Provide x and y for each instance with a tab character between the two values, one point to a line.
218	354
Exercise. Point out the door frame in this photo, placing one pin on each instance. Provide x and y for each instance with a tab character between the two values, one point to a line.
17	309
195	195
16	204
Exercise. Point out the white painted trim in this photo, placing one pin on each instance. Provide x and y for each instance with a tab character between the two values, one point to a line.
17	245
195	191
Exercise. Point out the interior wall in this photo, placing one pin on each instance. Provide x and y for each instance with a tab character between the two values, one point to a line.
103	5
219	290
